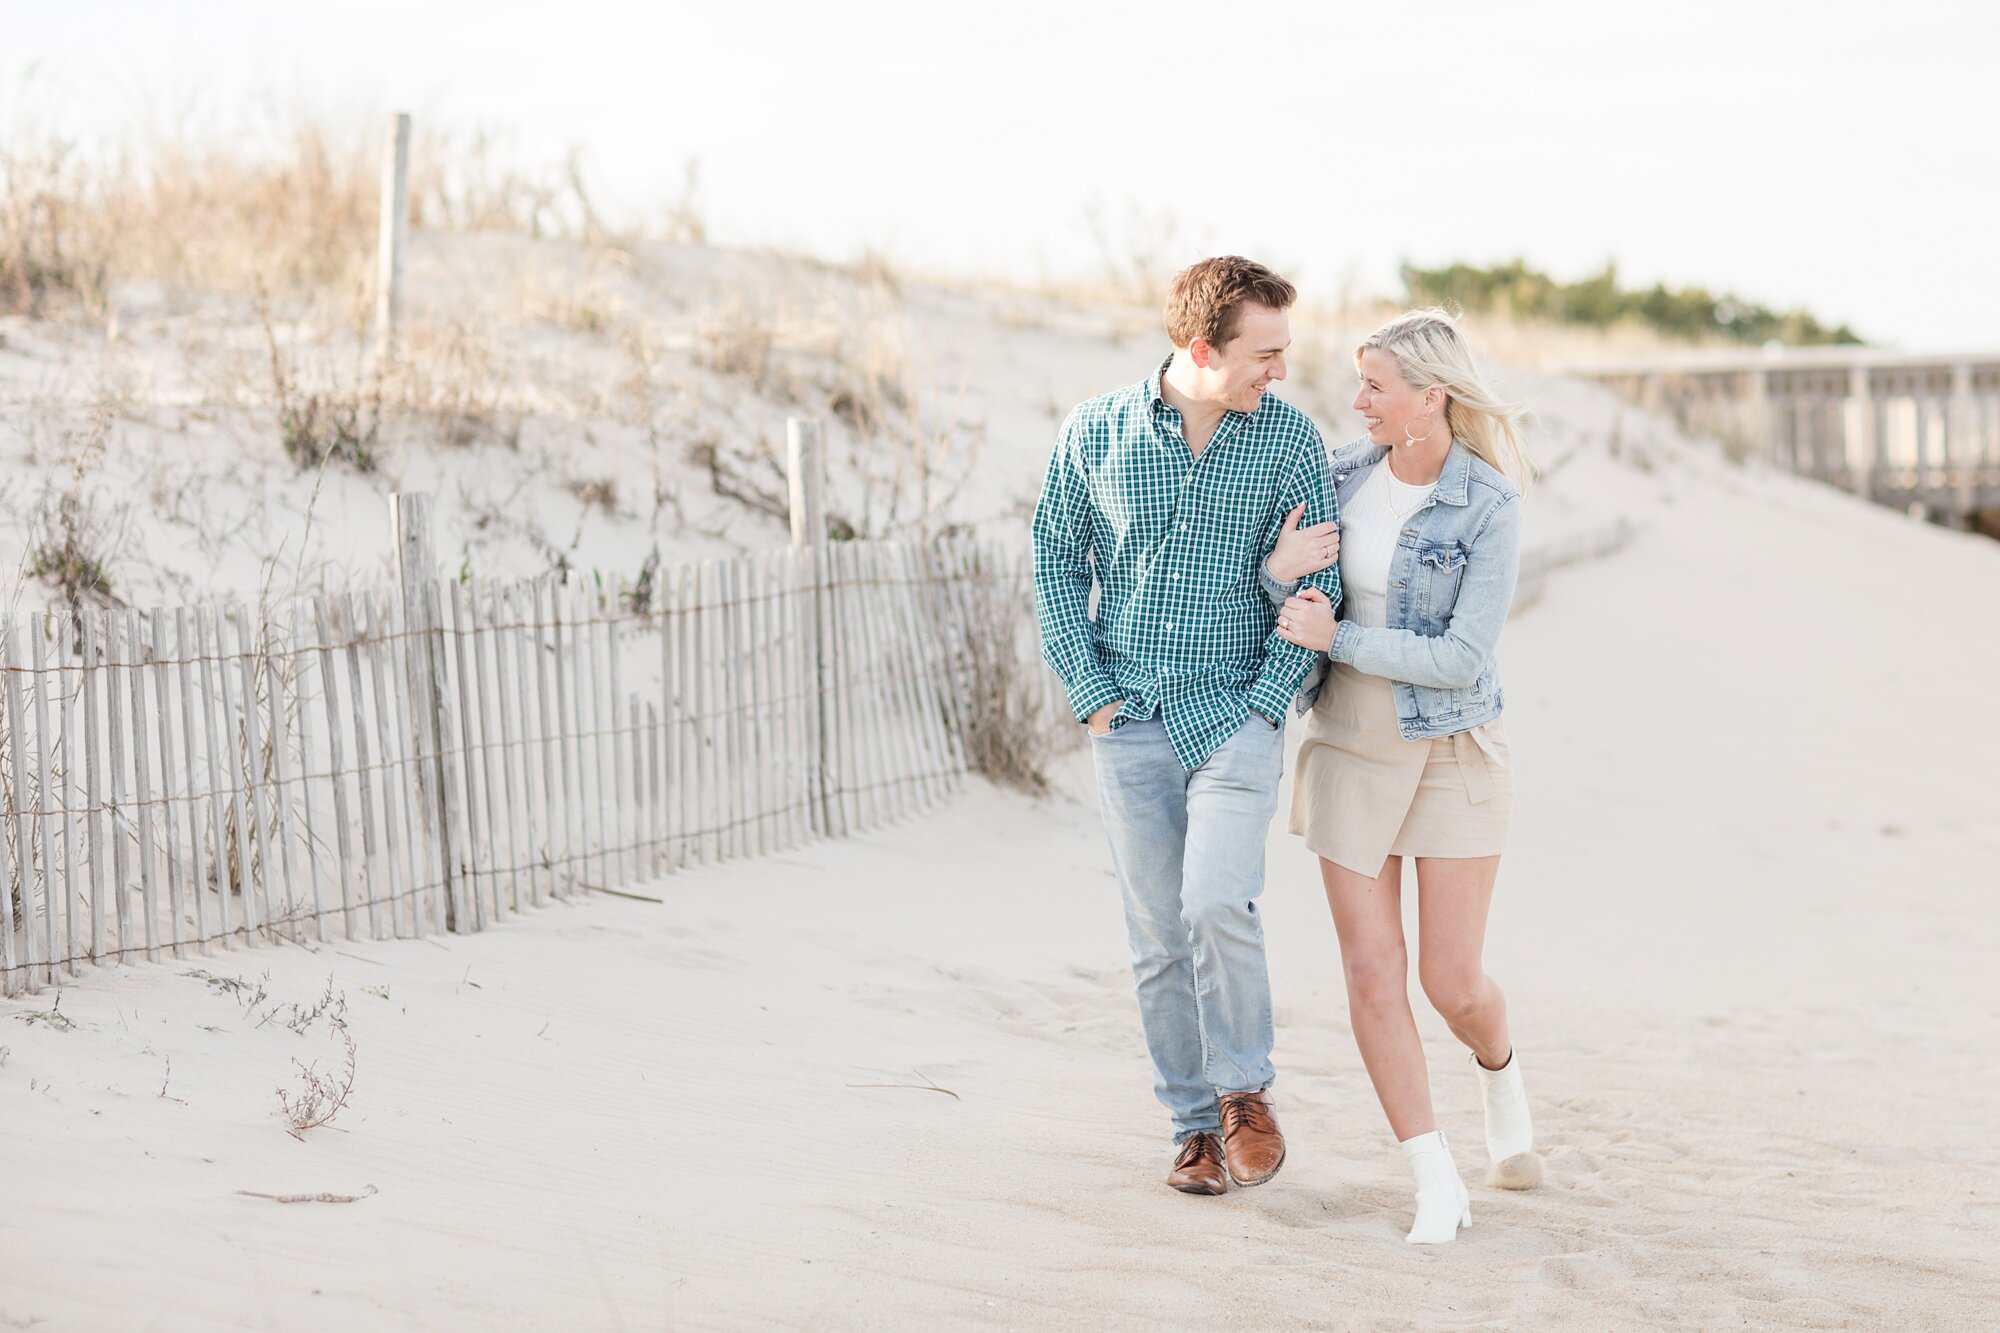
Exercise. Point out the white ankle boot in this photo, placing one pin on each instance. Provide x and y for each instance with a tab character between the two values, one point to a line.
1510	1133
1442	1205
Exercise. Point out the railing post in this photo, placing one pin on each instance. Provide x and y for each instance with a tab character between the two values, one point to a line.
805	464
1861	431
1963	454
394	234
411	520
1754	423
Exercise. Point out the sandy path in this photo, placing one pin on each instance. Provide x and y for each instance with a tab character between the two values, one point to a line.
1746	931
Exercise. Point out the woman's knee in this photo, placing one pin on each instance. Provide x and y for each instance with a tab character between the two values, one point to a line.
1455	992
1377	976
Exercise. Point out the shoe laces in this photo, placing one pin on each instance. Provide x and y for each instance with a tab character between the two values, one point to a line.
1246	1111
1196	1148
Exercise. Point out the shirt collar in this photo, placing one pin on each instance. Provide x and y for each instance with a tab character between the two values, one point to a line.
1456	476
1156	399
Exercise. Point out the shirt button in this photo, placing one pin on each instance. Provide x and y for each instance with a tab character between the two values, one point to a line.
1170	624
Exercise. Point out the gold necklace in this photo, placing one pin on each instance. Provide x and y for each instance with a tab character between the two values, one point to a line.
1389	500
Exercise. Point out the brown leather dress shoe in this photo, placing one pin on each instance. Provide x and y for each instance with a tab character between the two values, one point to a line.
1252	1145
1198	1166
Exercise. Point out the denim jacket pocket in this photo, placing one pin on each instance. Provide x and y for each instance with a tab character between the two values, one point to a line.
1442	568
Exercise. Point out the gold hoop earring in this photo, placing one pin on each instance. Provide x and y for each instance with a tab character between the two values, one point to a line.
1410	440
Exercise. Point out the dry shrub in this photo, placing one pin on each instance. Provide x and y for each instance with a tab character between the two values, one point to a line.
319	1096
738	340
288	206
451	378
1006	723
49	248
596	493
333	419
73	533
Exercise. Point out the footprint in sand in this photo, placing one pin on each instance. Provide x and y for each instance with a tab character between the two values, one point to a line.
1579	1272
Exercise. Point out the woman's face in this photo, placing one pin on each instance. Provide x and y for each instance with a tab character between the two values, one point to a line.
1387	403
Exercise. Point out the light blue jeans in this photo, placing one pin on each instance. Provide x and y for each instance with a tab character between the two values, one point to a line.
1188	848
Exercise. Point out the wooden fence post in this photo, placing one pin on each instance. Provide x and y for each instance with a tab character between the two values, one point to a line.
410	515
395	231
806	470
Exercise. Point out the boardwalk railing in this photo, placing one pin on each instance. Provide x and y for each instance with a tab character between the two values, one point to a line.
396	763
1905	430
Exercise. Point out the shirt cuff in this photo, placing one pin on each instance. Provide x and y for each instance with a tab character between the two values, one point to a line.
1346	635
1092	693
1271	697
1274	588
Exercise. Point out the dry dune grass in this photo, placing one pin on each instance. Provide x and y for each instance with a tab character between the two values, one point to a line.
289	207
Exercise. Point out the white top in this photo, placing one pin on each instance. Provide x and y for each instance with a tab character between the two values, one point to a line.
1369	526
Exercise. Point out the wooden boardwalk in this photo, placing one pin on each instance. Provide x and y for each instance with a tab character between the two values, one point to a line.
1919	432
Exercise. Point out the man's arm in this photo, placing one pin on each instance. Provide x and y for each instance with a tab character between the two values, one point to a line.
1286	664
1062	583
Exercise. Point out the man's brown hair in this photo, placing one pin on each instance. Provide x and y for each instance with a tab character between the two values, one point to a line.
1206	298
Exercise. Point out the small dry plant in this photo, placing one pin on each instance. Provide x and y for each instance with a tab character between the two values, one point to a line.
50	250
738	340
334	422
1005	723
73	535
317	1096
51	1017
450	378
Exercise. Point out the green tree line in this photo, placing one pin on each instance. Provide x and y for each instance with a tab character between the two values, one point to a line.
1685	312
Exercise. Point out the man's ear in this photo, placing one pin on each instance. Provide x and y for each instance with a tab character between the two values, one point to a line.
1199	352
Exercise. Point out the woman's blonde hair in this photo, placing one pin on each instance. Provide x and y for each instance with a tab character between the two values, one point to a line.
1432	353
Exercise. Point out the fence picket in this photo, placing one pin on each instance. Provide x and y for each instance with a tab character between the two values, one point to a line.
614	712
499	643
21	882
222	801
71	638
176	905
478	870
302	661
397	871
482	712
45	811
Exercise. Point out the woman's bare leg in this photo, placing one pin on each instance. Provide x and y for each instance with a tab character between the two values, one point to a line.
1453	895
1368	917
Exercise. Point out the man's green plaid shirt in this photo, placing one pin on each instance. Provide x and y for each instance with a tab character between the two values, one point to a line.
1181	623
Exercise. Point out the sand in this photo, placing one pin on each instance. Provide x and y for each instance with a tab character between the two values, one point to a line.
1746	931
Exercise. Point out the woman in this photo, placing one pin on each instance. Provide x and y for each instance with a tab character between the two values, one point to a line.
1404	754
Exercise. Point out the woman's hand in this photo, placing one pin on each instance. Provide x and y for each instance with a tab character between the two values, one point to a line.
1307	620
1302	551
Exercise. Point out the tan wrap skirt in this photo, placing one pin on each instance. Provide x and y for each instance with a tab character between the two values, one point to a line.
1361	793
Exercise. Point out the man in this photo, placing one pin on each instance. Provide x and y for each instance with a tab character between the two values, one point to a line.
1175	490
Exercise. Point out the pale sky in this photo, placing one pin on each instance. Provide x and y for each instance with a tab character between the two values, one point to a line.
1841	156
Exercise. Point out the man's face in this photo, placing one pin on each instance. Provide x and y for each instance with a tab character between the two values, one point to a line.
1241	370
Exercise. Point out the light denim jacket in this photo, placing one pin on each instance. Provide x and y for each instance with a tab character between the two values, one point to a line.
1451	583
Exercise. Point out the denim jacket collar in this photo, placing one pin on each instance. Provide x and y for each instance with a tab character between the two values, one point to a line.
1452	483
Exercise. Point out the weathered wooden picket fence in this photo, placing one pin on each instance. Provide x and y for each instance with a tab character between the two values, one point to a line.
437	756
